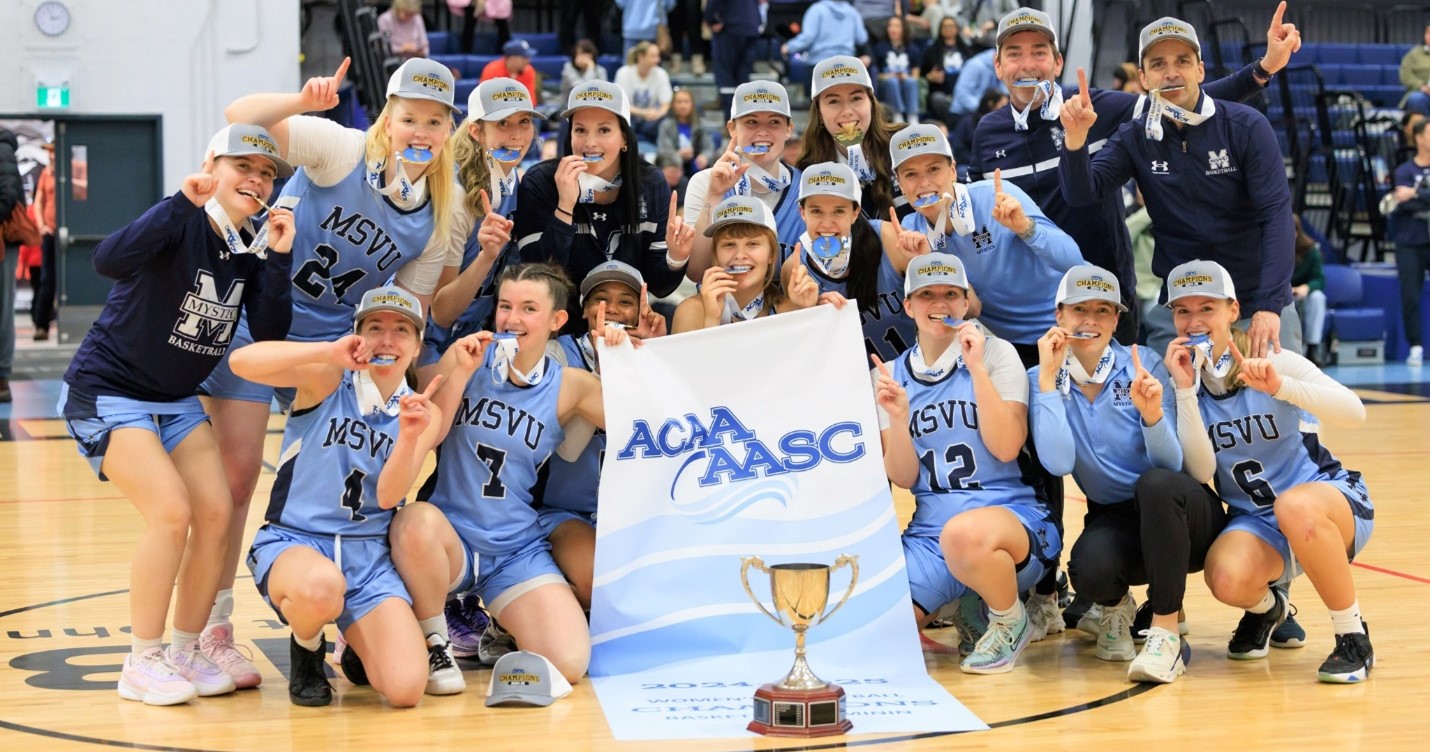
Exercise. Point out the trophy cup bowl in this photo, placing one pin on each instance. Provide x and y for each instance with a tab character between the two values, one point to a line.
802	704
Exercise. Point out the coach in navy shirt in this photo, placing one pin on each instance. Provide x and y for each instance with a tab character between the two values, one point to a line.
1212	177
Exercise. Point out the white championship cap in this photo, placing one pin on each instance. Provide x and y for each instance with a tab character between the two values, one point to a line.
525	678
1087	282
934	269
1199	278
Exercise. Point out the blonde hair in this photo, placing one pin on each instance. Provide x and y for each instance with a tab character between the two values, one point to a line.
440	173
738	231
638	51
473	170
1242	340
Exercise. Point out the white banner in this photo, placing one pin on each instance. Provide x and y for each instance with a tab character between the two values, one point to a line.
757	438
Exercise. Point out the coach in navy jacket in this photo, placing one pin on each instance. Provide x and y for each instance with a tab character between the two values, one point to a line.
1211	176
1029	151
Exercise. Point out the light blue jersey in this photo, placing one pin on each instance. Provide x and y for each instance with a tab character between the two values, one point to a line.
573	486
328	469
789	225
1016	280
436	339
350	239
956	471
492	460
1103	443
1261	452
888	331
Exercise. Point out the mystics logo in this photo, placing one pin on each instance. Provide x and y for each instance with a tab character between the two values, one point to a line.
206	318
727	466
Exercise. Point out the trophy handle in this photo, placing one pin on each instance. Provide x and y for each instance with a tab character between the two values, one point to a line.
853	562
745	564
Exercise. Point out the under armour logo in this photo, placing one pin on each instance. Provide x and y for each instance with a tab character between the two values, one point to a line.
1159	168
598	216
1001	153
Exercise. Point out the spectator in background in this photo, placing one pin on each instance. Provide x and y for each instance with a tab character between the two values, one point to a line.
682	137
981	29
976	78
12	194
640	19
674	172
916	23
1415	77
472	11
829	28
592	13
1124	78
514	63
962	138
734	33
1410	230
896	63
934	11
404	28
1308	284
580	68
941	64
42	307
647	86
685	38
876	15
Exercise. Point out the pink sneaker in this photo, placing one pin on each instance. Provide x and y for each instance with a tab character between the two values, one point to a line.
150	678
201	672
217	644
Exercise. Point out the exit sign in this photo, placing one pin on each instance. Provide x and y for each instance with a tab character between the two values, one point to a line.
52	97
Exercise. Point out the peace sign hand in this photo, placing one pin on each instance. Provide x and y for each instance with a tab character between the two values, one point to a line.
1146	391
649	322
320	93
1077	115
201	186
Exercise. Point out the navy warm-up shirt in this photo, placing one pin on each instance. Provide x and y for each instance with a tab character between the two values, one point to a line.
171	314
1215	191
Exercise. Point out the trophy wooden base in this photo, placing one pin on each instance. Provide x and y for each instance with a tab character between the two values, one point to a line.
799	712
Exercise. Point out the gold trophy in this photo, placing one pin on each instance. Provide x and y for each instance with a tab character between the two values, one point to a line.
802	704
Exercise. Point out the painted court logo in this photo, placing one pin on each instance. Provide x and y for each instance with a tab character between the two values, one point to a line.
719	454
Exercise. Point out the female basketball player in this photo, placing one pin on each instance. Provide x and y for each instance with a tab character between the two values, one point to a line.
954	437
487	148
479	534
743	284
1250	423
848	125
182	271
352	448
1101	413
371	205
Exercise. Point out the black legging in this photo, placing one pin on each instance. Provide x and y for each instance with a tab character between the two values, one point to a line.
1158	537
1052	484
1411	263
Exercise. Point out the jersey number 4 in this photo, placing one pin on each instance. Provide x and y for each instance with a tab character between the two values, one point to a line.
352	494
316	275
961	466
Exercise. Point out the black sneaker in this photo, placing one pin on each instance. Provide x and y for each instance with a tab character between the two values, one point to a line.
1290	634
307	683
1252	637
1351	661
351	664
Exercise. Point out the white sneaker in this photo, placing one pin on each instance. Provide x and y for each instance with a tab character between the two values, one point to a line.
1114	631
216	642
1045	617
150	678
1091	620
1417	357
1163	658
443	676
207	677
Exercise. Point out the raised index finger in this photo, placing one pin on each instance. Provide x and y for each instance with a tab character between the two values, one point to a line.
671	216
1137	360
1276	17
883	368
208	166
1082	85
998	180
342	72
1236	352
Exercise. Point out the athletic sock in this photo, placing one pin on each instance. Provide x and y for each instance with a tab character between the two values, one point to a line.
1012	615
222	611
434	625
140	646
312	643
182	640
1348	621
1268	602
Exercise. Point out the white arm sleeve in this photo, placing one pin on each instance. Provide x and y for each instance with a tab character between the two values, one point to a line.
1198	459
1006	370
326	150
463	225
1303	385
421	274
695	192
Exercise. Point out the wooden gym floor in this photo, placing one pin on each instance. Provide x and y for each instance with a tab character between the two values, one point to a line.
65	543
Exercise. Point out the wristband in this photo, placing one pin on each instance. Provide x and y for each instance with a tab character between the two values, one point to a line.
559	210
1259	71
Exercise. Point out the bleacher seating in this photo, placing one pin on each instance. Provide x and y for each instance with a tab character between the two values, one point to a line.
1359	327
